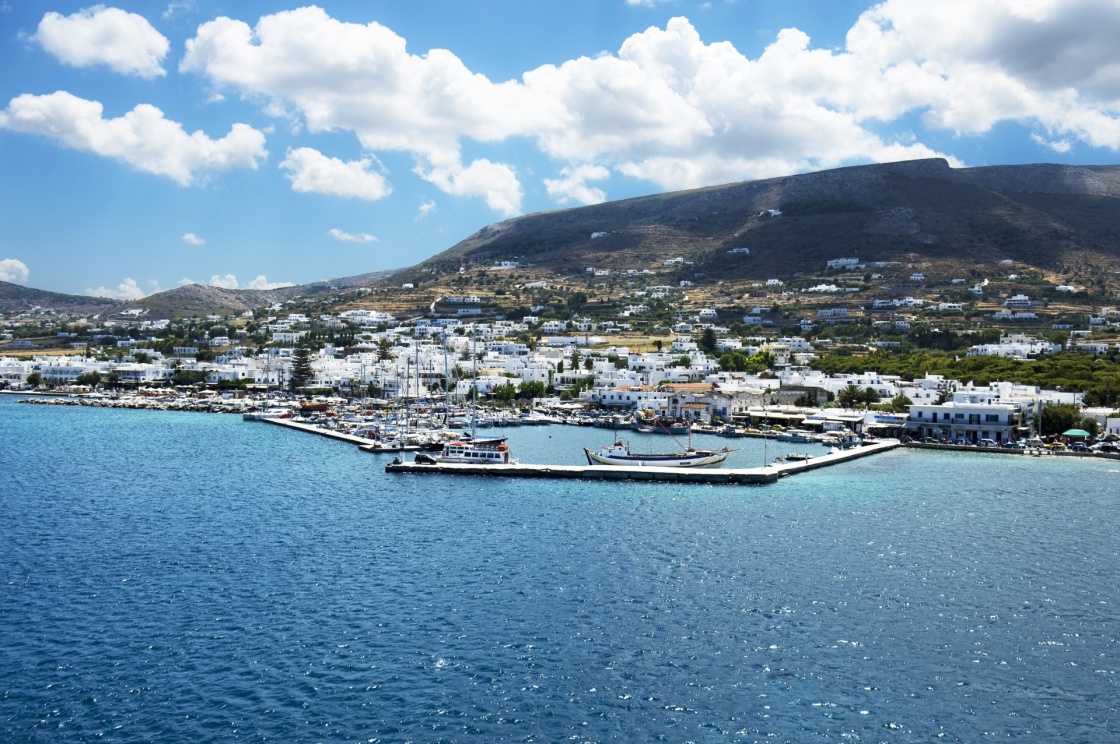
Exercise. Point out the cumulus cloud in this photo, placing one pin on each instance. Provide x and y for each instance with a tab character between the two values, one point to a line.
262	283
229	281
126	290
674	110
142	138
426	207
192	239
125	42
361	78
346	237
13	270
573	186
312	172
495	182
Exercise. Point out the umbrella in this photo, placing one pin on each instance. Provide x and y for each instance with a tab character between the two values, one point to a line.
1075	433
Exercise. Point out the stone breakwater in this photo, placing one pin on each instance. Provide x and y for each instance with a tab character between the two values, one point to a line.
150	404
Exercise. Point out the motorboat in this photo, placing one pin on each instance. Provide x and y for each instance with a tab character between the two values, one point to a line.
471	451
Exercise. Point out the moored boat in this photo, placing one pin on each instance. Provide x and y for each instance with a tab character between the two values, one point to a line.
470	451
619	454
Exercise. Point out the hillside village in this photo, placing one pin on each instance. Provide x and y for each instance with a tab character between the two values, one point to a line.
914	284
647	340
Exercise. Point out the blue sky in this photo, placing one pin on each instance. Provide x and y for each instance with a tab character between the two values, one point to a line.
148	144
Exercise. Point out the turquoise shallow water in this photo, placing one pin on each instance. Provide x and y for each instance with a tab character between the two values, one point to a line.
175	577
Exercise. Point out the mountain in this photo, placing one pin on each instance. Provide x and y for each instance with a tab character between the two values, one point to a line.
922	215
15	298
1062	219
192	300
197	300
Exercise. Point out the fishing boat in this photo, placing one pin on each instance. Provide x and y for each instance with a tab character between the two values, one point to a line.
619	453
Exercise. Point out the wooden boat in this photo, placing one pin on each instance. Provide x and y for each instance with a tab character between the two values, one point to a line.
619	454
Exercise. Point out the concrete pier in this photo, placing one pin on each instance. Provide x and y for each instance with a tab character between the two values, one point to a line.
312	429
737	476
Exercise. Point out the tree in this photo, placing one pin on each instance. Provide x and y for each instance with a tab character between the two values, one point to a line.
900	403
34	379
93	379
707	342
384	349
575	359
1059	417
302	371
531	389
870	397
1090	425
849	397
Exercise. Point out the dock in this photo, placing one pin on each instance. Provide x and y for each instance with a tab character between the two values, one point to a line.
312	429
730	476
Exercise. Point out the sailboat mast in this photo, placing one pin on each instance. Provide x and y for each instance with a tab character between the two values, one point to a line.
474	375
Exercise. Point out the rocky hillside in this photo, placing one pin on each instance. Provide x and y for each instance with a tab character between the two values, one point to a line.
15	299
1063	219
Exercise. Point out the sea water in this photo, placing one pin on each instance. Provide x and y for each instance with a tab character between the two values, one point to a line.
194	577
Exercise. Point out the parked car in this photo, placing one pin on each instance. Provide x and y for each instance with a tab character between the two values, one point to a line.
1056	447
987	443
1079	447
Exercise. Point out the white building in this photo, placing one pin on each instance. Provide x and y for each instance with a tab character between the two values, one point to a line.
966	422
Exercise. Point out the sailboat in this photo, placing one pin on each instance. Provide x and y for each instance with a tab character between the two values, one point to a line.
620	454
469	450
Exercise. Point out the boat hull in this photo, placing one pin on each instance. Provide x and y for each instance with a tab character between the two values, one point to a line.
679	460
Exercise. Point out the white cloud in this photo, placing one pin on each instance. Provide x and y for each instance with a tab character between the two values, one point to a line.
192	239
178	7
126	290
229	281
426	207
13	270
573	186
346	237
262	283
360	78
495	182
312	172
125	42
142	138
674	110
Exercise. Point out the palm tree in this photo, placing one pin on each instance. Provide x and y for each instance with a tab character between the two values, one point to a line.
849	397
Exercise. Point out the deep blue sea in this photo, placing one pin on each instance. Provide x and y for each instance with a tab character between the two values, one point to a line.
180	577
